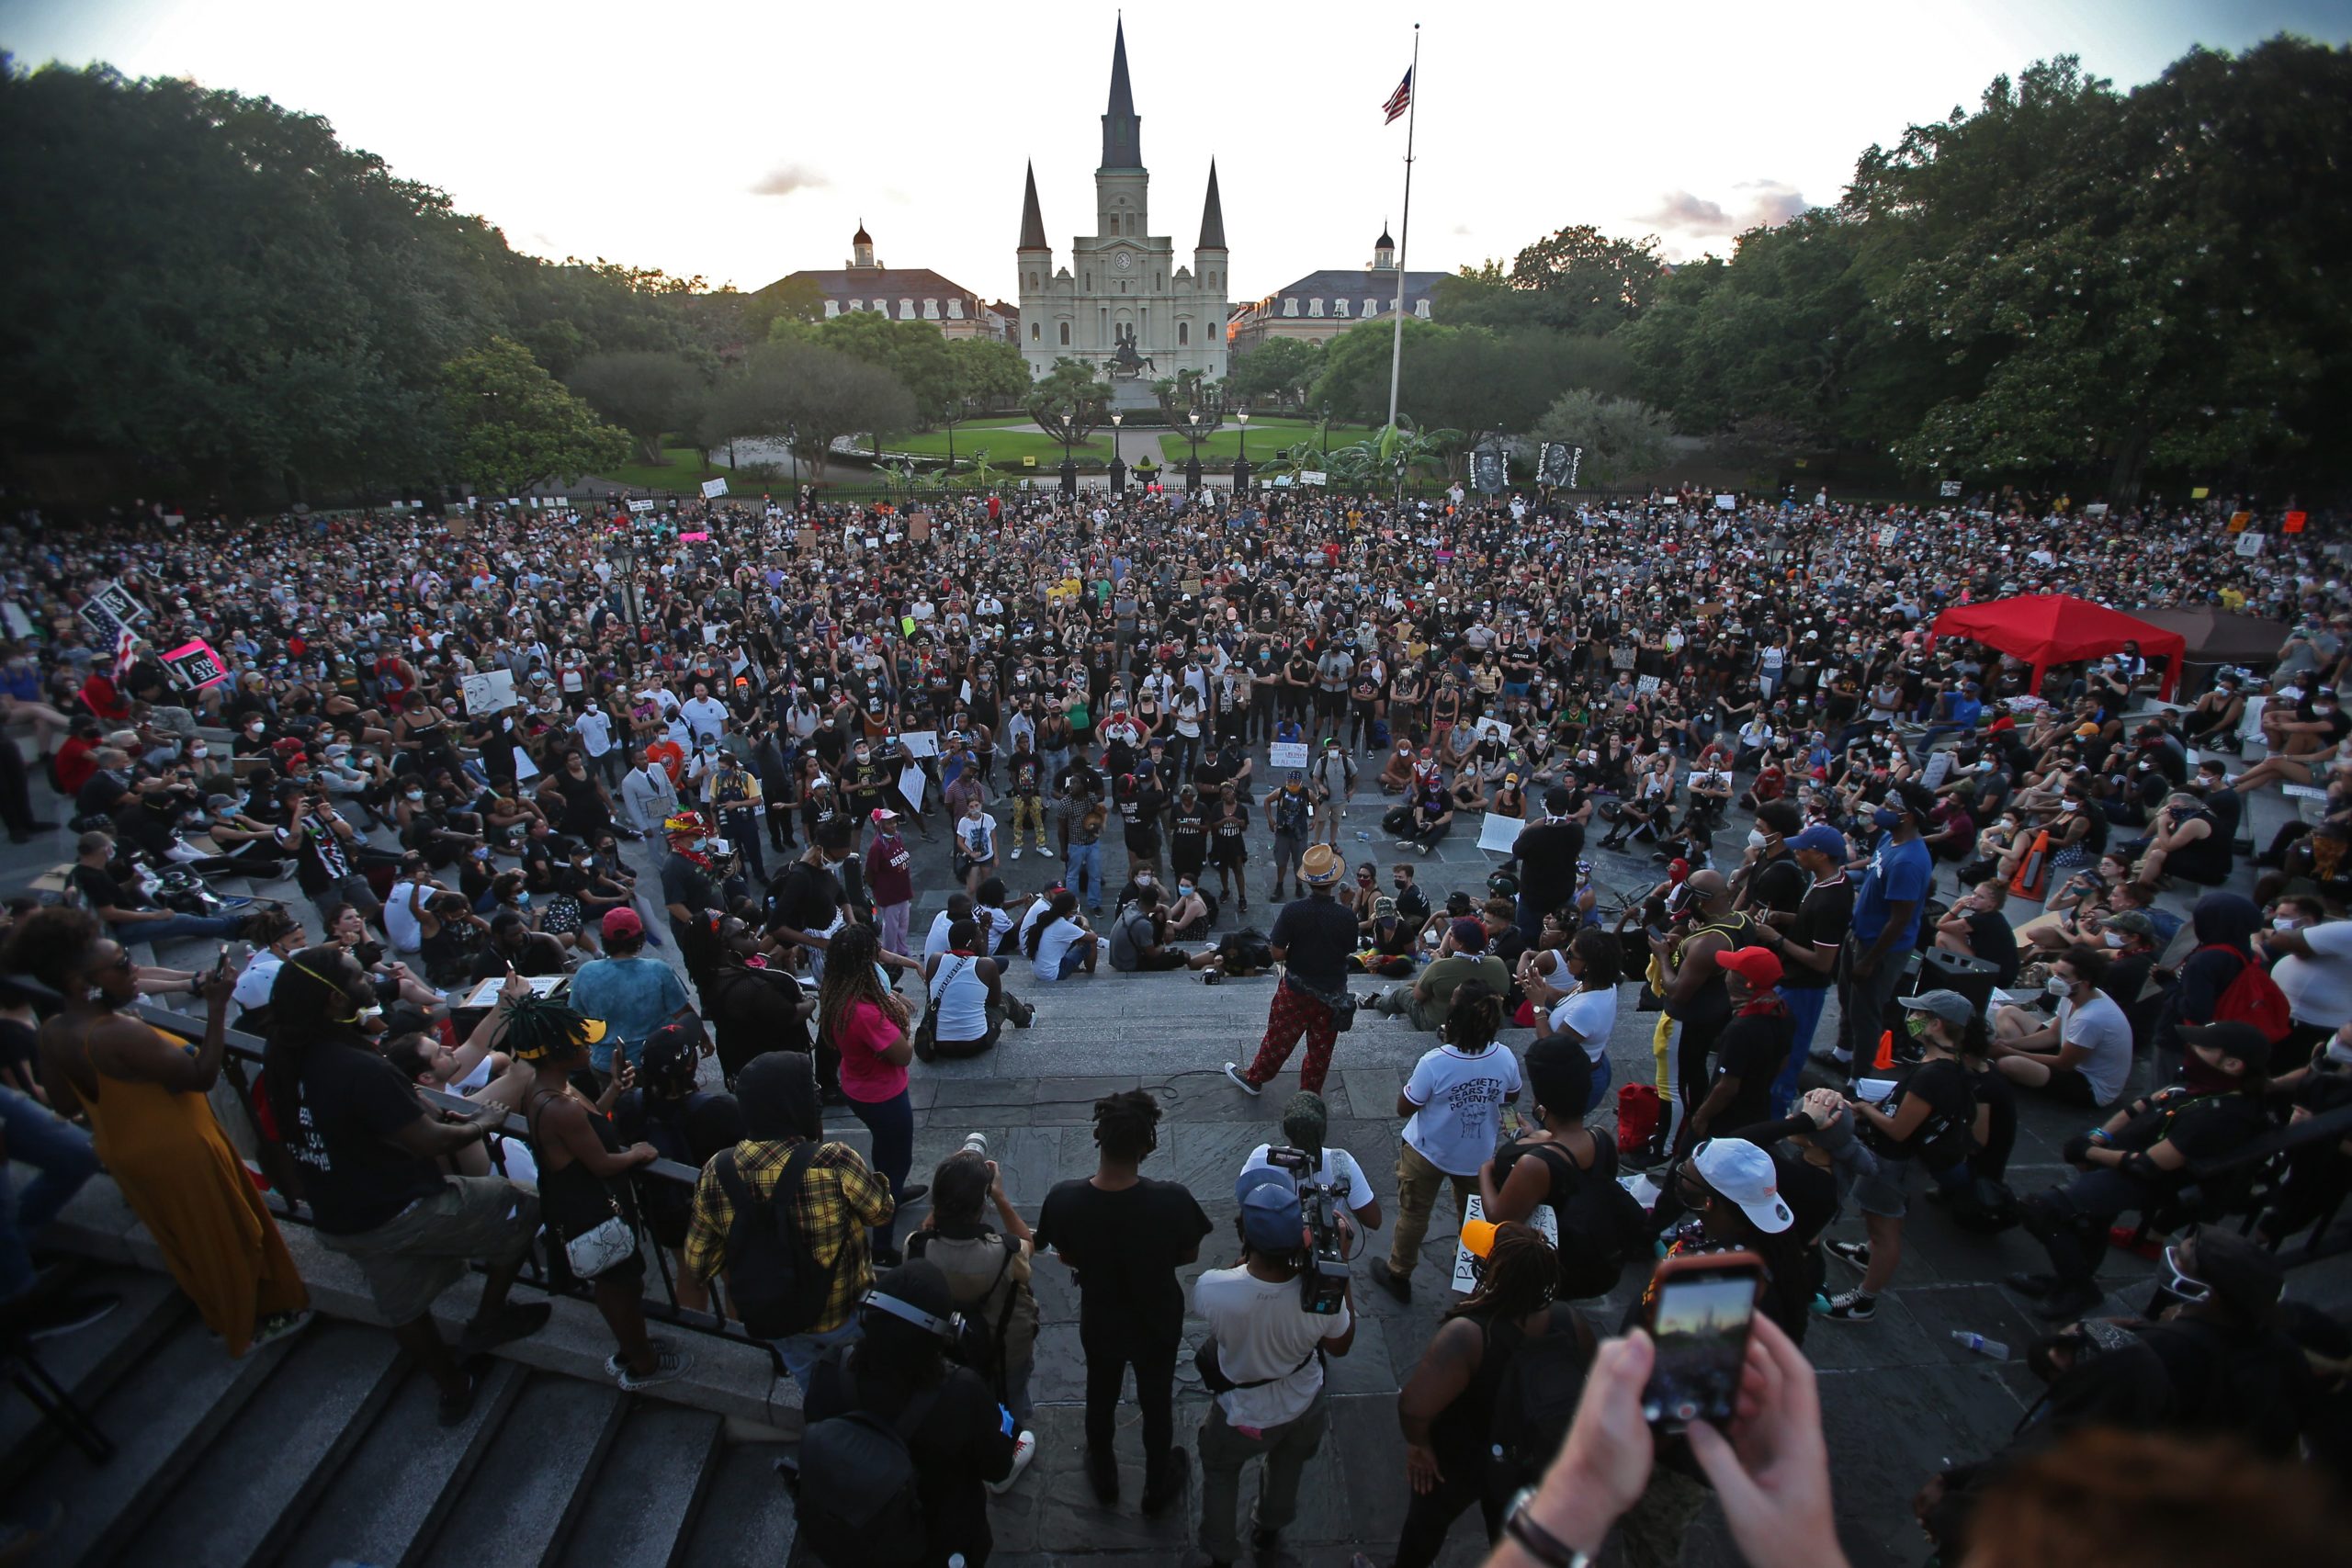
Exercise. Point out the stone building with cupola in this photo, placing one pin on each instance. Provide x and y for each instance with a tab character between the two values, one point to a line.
903	294
1324	304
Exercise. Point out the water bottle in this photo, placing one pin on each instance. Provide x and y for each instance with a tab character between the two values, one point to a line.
1968	1340
977	1142
1362	838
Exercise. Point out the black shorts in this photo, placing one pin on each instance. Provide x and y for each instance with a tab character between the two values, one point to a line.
2068	1087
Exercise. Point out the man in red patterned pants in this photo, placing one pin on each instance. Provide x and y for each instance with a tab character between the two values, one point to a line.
1313	937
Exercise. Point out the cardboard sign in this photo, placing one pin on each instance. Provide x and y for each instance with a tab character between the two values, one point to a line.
1286	754
1466	1269
1938	768
111	611
702	537
713	489
921	742
1726	503
910	786
1949	488
1646	686
1496	730
2238	520
640	506
1313	476
490	691
2249	545
193	665
2293	523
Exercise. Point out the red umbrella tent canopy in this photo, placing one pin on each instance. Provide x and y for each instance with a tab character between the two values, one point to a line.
2044	629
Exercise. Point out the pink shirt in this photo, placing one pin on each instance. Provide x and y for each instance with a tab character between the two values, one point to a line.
865	1077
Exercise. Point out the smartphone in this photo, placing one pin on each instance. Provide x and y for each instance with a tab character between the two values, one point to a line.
1701	1309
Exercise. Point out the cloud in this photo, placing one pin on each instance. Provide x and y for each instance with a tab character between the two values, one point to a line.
1760	203
1462	228
787	178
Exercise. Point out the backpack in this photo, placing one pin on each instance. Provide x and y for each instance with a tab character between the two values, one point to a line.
668	1206
1127	944
1535	1398
2253	998
981	1345
780	1288
1985	1206
1246	952
858	1499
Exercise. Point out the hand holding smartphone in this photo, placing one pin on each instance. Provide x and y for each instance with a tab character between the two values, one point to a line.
1701	1310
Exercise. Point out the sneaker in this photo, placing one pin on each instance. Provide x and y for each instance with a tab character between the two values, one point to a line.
669	1366
1832	1064
913	1192
1016	1463
1422	850
1396	1285
2031	1284
1211	976
1170	1488
1851	1307
279	1326
65	1314
1857	1253
1233	1071
1103	1473
1024	1448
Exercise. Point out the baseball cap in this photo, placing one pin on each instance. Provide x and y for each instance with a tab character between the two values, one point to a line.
1383	908
1270	1211
1759	966
669	1055
1469	934
2131	921
1822	839
1743	1174
1950	1006
884	814
621	923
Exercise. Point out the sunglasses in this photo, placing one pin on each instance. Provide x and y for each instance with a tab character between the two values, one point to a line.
2182	1286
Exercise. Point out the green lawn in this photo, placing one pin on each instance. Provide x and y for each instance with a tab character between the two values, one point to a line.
1005	447
684	473
1267	436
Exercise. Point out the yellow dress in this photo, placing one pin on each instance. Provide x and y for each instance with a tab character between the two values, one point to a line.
175	1169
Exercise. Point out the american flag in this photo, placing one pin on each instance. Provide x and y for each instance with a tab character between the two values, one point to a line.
125	642
1399	100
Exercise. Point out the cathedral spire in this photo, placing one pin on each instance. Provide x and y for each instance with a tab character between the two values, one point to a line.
1122	126
1032	222
1212	217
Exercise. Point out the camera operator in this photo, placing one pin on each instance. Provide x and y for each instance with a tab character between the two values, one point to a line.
1269	1350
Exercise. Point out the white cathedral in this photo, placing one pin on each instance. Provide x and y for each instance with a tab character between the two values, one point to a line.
1123	305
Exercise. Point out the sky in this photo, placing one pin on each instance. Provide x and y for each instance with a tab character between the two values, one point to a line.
742	140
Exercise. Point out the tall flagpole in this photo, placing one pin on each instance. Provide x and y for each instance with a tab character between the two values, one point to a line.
1404	237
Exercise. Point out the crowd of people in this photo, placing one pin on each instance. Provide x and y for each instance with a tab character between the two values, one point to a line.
503	750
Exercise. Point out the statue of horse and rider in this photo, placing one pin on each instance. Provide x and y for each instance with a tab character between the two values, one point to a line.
1126	363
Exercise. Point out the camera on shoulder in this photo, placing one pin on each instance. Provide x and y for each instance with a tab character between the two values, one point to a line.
1323	1279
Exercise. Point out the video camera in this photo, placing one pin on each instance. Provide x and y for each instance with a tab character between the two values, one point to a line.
1324	1280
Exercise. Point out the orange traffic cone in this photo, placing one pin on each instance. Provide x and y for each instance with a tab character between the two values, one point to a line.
1885	1060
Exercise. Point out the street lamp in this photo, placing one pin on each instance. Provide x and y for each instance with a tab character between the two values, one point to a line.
1241	465
1118	468
1193	431
623	557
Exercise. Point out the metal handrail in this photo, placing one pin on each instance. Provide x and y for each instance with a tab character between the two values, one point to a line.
245	1051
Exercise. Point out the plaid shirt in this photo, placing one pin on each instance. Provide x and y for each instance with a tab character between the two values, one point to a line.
839	1198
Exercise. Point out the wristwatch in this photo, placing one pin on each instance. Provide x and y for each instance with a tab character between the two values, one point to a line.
1519	1524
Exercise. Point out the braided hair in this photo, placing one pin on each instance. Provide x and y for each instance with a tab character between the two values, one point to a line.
539	1028
1522	1274
849	979
308	1008
1476	1016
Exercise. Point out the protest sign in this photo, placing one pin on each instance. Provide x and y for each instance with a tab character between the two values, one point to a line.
713	489
1286	754
489	691
193	665
1498	832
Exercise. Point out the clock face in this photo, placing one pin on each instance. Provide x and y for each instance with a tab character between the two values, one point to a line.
1123	261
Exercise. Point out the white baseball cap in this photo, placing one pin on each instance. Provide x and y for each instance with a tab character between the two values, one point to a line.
1742	1173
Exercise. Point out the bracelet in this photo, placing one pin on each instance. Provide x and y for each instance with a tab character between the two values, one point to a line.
1535	1540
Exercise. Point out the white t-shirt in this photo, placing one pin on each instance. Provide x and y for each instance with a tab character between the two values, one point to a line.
1052	946
595	732
1461	1098
979	834
2319	990
2099	1028
1262	1332
935	942
400	921
1336	1169
707	715
1592	1014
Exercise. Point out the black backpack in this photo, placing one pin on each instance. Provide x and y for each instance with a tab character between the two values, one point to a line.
1535	1398
979	1344
858	1500
780	1288
1246	952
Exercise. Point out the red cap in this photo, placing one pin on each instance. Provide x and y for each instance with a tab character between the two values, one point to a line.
1759	966
622	923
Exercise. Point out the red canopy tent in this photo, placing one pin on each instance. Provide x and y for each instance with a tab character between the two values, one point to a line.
2044	629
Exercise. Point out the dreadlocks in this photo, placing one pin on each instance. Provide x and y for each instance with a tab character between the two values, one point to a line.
849	979
537	1028
308	1008
1126	1124
1522	1273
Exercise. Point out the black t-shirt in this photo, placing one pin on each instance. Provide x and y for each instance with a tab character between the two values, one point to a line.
1127	1247
960	1443
684	882
1823	919
1778	884
1317	935
1944	1084
1547	854
807	898
350	1102
1752	1048
2213	1125
1994	940
101	891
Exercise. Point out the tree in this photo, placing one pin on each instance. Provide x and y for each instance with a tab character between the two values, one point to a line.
515	424
647	392
1069	401
981	374
913	352
1583	281
807	395
794	299
1280	369
1620	437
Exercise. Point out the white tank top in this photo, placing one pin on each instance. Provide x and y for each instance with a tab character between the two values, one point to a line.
961	997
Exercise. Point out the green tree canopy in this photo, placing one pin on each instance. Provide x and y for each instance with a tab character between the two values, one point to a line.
1619	437
645	391
807	395
515	424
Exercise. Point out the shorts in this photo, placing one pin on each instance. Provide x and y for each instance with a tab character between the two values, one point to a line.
422	1250
2068	1087
1882	1192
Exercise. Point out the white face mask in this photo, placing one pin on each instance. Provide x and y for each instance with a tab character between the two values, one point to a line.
2285	923
1756	839
2112	939
2057	987
416	795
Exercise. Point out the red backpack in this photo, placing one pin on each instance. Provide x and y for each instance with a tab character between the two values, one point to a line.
2253	998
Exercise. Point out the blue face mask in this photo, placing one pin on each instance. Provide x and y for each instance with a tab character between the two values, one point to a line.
1886	817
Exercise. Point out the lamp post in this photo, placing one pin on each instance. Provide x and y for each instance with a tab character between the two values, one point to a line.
1193	431
1118	468
623	556
1241	464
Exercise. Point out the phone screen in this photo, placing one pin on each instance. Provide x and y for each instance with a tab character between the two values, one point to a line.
1699	1323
